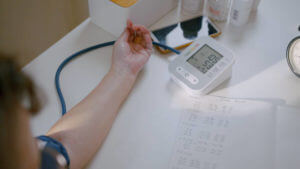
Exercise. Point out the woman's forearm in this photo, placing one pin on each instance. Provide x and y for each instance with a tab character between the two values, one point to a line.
83	129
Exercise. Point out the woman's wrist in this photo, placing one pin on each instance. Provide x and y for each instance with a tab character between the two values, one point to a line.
120	74
120	81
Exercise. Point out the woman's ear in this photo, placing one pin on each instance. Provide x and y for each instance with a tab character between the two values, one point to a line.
15	86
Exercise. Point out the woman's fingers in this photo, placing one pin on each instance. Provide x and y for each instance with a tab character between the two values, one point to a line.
129	23
124	37
147	37
139	37
130	28
148	41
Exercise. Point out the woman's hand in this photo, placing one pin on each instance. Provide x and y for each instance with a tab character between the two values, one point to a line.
132	50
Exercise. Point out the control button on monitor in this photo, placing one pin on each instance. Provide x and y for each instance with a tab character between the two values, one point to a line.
189	78
179	69
194	80
186	75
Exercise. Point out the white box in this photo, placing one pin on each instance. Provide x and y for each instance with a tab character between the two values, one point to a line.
112	17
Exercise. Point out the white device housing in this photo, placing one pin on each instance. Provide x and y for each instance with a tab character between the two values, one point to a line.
193	80
240	12
112	18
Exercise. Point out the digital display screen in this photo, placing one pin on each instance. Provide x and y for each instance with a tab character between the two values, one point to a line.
205	58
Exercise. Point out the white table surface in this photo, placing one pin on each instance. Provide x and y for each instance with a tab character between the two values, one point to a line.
147	121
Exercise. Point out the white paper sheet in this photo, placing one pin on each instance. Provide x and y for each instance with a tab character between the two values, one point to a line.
219	133
287	138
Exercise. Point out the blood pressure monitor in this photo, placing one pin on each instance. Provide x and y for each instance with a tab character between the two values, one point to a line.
202	66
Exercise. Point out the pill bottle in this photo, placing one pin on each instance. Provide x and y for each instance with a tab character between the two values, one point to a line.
255	5
217	9
192	6
240	12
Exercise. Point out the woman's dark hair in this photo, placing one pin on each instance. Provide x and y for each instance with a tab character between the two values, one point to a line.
16	88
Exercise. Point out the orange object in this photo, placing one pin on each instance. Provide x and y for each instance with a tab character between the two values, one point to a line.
138	40
125	3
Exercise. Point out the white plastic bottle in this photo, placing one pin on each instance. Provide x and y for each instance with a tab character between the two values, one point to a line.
255	5
192	6
240	12
217	9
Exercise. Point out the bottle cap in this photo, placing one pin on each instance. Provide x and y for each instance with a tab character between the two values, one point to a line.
125	3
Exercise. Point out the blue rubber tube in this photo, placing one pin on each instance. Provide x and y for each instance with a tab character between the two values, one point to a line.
70	58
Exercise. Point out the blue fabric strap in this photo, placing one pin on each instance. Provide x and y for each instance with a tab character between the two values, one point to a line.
56	145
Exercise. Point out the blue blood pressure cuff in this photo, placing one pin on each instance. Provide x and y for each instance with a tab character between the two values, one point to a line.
53	153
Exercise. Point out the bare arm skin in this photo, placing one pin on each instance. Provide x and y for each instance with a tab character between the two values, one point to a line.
84	128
